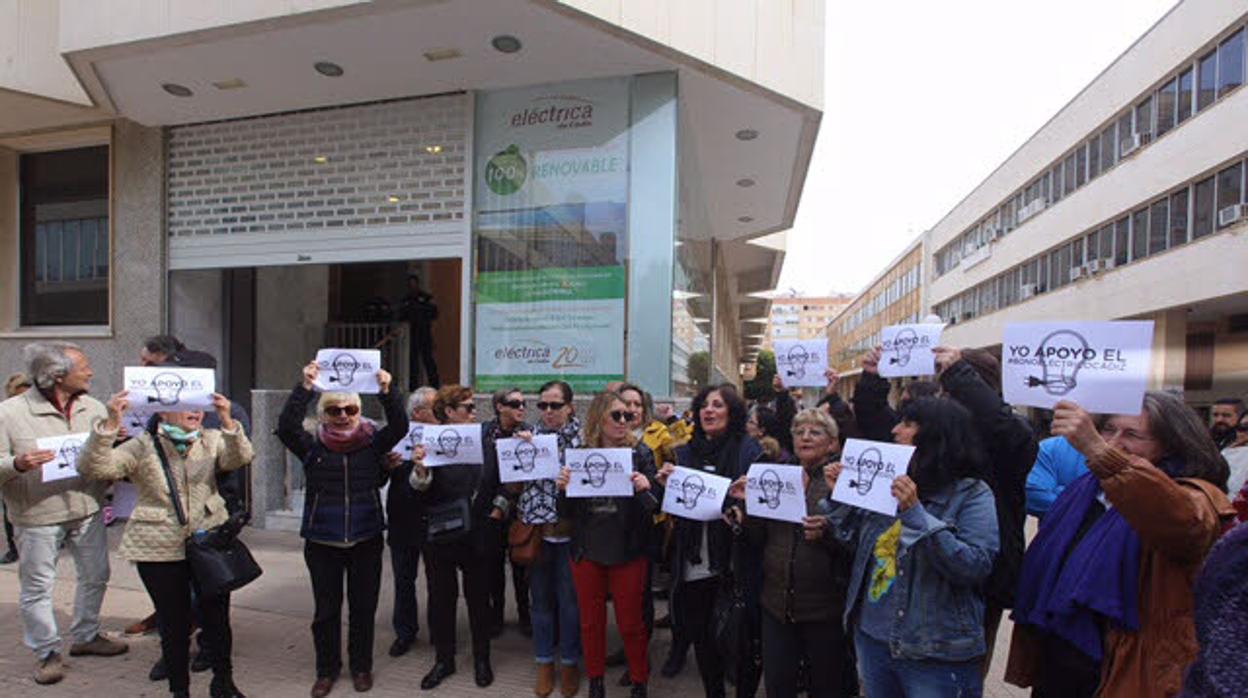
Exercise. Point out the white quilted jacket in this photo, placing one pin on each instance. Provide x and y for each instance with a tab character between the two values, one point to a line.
153	533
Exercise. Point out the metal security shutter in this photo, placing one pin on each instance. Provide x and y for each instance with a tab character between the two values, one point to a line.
363	183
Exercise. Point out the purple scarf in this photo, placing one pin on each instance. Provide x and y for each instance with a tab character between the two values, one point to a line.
1098	581
346	441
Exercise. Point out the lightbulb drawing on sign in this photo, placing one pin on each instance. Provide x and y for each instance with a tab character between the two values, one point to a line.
448	443
903	344
168	387
526	454
771	485
1070	357
690	490
69	452
869	466
413	440
596	467
344	366
798	356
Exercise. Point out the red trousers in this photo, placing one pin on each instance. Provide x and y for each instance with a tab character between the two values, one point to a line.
626	584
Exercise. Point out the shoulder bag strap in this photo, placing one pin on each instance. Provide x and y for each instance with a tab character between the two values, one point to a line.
173	489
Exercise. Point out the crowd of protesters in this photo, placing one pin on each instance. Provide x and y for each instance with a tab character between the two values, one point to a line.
1123	591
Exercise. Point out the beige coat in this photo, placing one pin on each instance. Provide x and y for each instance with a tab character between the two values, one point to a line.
30	501
153	533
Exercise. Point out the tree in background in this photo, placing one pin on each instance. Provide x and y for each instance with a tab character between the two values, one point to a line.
699	369
759	387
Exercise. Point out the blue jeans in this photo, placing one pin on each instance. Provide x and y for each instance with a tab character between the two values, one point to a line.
884	676
554	601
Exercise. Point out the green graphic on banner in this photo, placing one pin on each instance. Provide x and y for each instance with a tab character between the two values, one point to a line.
542	285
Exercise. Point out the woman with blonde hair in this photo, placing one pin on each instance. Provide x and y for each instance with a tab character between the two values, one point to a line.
345	465
608	547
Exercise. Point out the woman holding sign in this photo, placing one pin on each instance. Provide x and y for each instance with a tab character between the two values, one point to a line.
708	560
914	606
1105	603
345	465
609	546
805	575
464	501
155	540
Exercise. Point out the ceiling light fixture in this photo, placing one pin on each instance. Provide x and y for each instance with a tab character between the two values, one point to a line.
506	43
392	199
745	182
176	90
747	134
231	84
433	149
320	159
442	54
329	70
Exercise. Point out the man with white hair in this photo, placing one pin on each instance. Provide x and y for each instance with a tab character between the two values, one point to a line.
49	515
405	510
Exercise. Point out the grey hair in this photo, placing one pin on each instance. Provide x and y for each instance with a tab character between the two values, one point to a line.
48	361
328	399
1183	435
818	418
421	397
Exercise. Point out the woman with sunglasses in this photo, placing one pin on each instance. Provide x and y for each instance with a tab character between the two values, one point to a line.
344	463
464	548
608	548
554	610
709	560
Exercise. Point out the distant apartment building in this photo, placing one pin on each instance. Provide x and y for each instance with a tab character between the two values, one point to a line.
802	317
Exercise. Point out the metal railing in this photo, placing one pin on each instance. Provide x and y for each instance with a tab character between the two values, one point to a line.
392	338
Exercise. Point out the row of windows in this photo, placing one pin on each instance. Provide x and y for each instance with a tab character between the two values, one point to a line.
873	340
895	291
1189	213
1191	88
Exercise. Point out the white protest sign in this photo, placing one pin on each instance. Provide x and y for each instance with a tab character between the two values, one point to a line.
695	495
452	444
415	432
135	419
1102	366
774	491
867	473
66	448
800	363
907	350
348	370
600	472
521	461
169	388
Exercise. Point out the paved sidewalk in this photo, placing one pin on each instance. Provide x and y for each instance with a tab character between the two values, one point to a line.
273	654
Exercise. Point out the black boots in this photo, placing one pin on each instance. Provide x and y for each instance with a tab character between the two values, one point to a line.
222	686
440	671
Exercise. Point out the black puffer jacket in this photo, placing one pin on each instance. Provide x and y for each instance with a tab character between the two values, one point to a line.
342	502
479	484
1012	448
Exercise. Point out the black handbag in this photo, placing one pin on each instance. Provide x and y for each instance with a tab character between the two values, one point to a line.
449	521
220	562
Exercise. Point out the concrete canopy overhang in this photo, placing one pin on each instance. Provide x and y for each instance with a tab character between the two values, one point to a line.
731	189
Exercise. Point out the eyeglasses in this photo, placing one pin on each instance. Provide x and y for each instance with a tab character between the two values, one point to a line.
814	432
467	407
513	404
339	410
543	406
622	417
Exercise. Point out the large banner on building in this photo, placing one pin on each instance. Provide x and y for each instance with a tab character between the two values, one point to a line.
550	198
539	325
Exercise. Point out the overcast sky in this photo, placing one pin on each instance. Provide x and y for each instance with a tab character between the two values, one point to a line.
922	100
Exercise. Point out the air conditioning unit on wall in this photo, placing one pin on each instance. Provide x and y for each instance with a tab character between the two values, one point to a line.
1027	291
1230	214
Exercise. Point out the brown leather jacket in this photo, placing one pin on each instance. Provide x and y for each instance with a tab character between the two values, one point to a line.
1177	521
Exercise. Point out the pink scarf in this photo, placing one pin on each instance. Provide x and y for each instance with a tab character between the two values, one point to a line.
340	441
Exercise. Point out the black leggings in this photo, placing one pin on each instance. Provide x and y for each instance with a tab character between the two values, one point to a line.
169	586
821	643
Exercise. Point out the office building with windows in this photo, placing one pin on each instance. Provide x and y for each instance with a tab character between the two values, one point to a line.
801	317
587	190
1128	204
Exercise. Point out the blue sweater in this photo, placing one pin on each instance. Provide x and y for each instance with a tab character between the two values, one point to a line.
1057	465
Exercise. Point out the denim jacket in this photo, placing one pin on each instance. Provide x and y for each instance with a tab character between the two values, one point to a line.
948	543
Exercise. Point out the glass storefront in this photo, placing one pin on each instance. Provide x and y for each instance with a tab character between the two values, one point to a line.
574	199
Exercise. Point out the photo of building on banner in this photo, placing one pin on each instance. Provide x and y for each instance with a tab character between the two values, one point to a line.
1102	366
